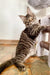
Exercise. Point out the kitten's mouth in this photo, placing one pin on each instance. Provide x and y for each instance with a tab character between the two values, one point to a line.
33	23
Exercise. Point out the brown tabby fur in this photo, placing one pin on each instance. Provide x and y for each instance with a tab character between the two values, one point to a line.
26	45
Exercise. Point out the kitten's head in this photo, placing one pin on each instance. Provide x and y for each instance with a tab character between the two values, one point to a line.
29	19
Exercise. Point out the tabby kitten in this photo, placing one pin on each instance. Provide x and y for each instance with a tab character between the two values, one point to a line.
26	45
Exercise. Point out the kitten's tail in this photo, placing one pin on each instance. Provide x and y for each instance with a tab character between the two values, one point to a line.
6	64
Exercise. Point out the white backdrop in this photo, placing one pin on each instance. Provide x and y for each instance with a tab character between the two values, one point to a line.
10	24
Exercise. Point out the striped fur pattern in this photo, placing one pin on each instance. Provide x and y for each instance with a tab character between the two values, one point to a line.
27	44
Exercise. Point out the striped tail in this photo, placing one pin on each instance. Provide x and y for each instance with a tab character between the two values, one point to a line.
6	64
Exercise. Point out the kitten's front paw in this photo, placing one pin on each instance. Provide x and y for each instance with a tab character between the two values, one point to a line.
44	28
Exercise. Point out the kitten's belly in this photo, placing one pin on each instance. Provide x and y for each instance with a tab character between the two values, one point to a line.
31	52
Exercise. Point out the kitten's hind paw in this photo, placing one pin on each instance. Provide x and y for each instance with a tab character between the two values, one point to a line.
22	68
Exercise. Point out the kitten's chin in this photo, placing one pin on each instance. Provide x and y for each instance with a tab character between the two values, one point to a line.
33	23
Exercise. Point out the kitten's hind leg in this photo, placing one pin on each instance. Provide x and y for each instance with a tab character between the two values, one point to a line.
49	57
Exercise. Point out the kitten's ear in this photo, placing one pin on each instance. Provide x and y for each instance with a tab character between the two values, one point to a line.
22	17
29	11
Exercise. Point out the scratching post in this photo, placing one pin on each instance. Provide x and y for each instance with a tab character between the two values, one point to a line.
49	52
46	45
49	57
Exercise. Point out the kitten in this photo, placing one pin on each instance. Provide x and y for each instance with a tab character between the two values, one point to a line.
27	43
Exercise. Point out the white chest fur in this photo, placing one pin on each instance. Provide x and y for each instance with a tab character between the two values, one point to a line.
32	51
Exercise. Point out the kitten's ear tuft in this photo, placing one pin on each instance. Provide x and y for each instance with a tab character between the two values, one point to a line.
29	11
22	17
